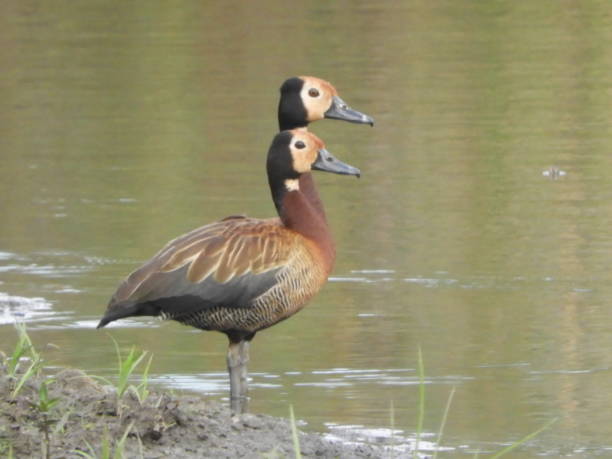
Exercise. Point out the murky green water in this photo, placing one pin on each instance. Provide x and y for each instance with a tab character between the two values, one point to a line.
123	125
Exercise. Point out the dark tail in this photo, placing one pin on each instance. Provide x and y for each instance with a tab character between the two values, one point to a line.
119	311
172	307
106	320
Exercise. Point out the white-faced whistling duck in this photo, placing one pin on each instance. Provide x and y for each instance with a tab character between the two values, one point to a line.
307	99
240	275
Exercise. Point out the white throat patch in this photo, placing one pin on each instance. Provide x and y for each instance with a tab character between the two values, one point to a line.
292	184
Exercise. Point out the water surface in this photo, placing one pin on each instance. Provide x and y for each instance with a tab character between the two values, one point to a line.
125	125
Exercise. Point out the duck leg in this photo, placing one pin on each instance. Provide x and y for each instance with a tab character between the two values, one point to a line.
237	359
244	359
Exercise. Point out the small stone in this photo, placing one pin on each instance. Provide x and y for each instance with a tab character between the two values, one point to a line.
251	421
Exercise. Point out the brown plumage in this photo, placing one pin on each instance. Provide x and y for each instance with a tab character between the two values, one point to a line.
249	273
241	275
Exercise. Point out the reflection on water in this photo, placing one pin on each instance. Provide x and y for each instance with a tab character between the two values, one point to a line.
124	125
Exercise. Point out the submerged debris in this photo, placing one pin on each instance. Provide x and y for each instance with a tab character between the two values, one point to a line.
554	173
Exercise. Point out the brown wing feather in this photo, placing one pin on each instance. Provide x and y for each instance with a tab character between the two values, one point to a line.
222	250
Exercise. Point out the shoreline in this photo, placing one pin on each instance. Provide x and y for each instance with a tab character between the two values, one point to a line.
72	415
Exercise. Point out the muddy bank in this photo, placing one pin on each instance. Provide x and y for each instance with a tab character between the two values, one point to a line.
84	415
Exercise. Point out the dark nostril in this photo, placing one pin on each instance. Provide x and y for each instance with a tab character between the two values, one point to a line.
331	160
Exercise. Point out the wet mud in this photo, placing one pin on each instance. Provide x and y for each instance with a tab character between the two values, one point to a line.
85	418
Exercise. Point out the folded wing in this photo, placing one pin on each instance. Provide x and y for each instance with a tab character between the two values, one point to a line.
226	264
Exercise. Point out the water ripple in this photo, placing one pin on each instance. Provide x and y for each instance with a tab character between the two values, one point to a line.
212	383
442	279
340	377
20	309
394	441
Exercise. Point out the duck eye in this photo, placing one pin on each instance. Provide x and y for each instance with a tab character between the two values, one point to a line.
299	144
313	92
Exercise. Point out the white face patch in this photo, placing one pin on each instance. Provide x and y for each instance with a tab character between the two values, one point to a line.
316	105
292	184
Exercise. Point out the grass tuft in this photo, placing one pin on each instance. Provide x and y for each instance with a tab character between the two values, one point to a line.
24	349
127	366
44	407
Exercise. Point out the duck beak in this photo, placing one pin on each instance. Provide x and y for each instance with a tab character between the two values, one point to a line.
339	110
329	163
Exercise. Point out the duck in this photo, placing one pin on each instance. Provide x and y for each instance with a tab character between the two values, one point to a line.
241	275
306	99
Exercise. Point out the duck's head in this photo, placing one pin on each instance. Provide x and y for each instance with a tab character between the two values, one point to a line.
297	152
306	99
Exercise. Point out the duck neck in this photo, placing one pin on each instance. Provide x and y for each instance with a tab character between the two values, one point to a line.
307	186
298	213
286	123
291	114
307	183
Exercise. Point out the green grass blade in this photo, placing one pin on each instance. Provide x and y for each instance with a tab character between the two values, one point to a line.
421	414
83	454
24	344
18	352
392	419
106	381
118	454
133	363
105	454
524	439
140	447
59	427
294	434
443	423
90	455
142	390
33	368
124	372
126	366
